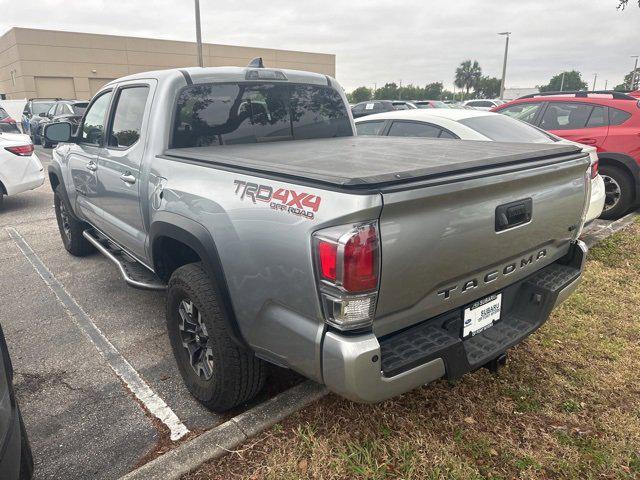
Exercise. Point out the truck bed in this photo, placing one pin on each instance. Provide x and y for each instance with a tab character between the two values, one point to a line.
369	161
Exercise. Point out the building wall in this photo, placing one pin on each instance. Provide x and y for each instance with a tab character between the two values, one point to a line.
48	63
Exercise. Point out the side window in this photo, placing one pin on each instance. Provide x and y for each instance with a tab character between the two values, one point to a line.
370	128
377	106
358	108
52	111
60	110
566	116
93	124
523	111
447	134
618	117
127	118
413	129
597	117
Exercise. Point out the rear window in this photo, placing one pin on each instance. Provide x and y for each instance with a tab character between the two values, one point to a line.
79	108
501	128
225	114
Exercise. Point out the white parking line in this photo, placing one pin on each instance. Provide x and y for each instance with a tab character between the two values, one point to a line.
151	401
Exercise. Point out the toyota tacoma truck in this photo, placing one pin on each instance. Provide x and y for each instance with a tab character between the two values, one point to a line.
372	265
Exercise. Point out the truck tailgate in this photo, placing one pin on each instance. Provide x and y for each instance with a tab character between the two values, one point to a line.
449	241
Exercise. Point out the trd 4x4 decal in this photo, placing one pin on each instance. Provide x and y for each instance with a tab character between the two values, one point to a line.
289	201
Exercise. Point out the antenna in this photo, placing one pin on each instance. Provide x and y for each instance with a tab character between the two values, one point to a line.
256	63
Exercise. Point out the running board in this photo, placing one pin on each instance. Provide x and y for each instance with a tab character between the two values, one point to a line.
132	271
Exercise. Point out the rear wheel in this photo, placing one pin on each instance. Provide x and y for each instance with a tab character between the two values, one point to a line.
70	227
217	371
618	192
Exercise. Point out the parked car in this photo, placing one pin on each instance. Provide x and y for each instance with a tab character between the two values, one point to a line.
483	104
371	265
430	104
16	459
20	168
476	125
7	123
609	121
375	106
31	114
61	111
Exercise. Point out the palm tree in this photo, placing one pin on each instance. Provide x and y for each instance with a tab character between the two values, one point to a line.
468	75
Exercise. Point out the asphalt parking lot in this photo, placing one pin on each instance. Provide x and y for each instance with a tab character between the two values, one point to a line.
82	418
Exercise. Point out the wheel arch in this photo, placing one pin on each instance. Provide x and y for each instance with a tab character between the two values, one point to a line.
628	164
195	237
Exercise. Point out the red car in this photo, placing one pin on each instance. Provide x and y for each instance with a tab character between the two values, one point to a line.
7	124
608	120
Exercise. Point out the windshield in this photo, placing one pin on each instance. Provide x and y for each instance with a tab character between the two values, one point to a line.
79	108
41	107
501	128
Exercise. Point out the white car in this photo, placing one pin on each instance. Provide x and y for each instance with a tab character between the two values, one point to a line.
483	104
464	124
20	169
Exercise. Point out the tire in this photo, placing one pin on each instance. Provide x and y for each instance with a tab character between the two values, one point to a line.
618	192
26	456
1	197
70	227
236	374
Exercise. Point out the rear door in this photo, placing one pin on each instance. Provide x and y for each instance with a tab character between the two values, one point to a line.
120	166
83	158
584	123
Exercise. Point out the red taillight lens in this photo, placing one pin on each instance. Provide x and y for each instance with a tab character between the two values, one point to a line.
594	170
22	150
361	261
328	253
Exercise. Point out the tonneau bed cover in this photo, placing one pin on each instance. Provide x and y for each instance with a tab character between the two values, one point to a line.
369	161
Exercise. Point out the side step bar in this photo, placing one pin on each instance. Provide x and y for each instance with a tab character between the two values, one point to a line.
132	271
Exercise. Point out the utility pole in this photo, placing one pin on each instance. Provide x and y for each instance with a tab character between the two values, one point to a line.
562	82
198	35
605	84
633	74
400	91
595	78
504	63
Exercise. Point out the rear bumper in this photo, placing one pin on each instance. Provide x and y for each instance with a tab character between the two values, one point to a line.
366	368
596	203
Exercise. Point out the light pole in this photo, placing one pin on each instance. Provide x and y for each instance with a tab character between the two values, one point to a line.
633	74
198	35
595	77
562	82
504	63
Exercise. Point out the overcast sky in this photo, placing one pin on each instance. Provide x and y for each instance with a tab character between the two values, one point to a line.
378	41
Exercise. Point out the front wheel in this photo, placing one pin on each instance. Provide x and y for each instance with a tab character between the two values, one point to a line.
618	190
70	227
217	371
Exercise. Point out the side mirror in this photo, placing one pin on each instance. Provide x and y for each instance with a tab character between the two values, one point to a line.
58	132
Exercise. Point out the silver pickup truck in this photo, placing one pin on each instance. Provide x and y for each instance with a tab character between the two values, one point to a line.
372	265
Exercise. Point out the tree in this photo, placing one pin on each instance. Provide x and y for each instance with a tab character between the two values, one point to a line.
624	86
572	82
623	4
432	91
360	94
468	75
488	87
388	92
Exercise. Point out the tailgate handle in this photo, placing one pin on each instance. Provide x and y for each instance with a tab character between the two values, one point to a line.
513	214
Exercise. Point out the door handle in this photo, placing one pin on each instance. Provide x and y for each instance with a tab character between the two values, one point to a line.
587	141
92	166
126	177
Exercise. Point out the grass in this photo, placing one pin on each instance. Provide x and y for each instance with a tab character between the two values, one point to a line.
566	406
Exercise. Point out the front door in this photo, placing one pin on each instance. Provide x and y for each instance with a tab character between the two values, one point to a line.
119	166
83	159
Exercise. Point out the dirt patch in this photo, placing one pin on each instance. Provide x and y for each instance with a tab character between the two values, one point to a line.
567	405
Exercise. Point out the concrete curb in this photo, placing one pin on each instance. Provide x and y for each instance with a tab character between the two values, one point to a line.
601	229
226	437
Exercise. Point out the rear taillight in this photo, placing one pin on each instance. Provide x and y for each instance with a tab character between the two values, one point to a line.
21	150
594	169
348	265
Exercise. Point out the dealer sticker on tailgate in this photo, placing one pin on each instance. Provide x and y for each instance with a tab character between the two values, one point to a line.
481	315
